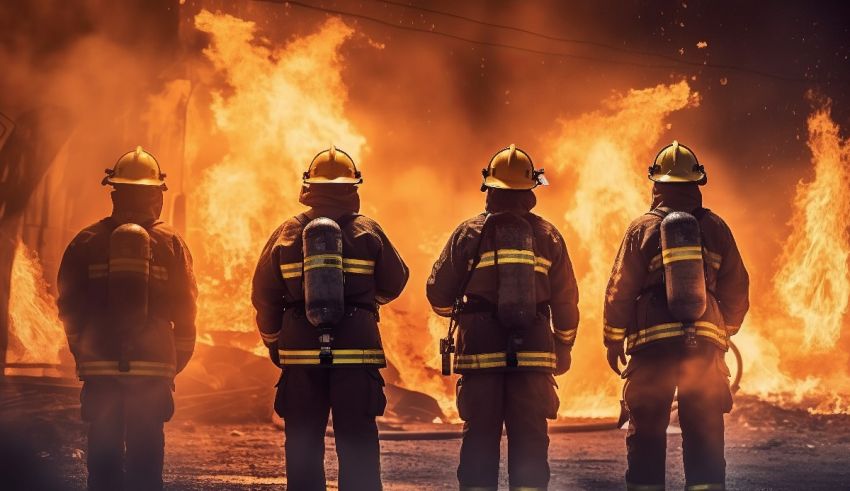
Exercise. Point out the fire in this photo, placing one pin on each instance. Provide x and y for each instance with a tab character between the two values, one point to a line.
263	111
36	333
604	150
813	282
791	349
280	106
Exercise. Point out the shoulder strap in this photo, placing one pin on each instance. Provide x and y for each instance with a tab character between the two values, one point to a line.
699	213
661	212
302	219
475	259
346	219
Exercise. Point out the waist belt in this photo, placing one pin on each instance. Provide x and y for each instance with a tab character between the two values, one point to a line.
135	368
525	359
339	357
371	307
476	306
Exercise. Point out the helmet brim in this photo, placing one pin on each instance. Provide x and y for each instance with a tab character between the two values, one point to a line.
666	178
336	180
492	182
134	182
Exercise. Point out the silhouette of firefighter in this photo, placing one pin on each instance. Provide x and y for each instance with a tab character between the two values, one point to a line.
317	289
506	281
678	291
127	300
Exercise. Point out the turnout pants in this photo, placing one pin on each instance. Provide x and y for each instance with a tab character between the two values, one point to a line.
355	396
702	378
521	401
126	444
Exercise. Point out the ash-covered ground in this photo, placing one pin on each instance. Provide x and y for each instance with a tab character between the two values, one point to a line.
767	448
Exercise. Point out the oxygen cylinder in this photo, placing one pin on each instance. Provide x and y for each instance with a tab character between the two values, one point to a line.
514	260
127	283
684	275
324	294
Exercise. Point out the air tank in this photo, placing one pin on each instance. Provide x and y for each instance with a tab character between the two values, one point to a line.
513	242
127	284
324	287
684	274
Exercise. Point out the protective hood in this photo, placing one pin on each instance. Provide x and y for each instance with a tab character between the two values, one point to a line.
330	200
141	205
680	196
501	200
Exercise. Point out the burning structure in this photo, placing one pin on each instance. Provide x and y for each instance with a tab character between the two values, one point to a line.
234	99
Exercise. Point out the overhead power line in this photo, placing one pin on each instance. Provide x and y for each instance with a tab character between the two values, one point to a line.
675	63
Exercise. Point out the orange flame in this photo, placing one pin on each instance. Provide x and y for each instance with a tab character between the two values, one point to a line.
813	281
791	351
36	332
282	105
605	150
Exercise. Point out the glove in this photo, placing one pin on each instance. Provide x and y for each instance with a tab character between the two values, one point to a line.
616	354
564	357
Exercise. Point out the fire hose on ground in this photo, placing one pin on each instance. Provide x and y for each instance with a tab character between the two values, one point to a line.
399	435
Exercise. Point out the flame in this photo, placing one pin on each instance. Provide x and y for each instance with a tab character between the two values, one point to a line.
280	106
813	282
605	150
36	332
791	349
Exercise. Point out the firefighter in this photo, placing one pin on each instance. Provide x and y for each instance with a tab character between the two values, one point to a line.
506	279
671	344
127	300
317	288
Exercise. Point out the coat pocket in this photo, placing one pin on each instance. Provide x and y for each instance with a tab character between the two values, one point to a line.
553	399
377	398
280	396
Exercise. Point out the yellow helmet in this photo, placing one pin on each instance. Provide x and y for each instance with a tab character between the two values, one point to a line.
677	163
332	166
511	168
138	168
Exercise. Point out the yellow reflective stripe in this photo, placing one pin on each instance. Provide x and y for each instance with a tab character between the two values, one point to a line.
566	336
137	368
443	310
353	266
340	357
711	258
323	261
644	487
358	262
98	270
706	487
159	272
673	329
514	256
612	333
494	360
128	265
655	263
681	250
681	254
270	337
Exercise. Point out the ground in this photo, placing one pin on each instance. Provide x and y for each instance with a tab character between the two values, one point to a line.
767	448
